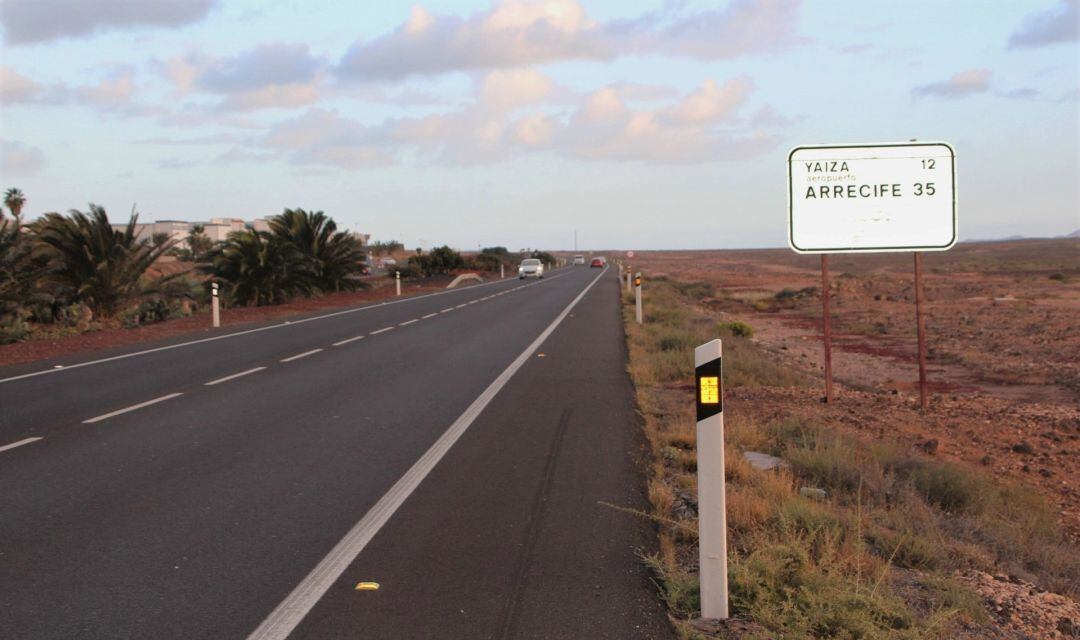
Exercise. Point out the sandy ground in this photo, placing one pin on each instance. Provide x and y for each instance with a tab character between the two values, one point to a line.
1003	340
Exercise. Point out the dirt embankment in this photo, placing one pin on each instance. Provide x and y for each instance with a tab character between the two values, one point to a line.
380	289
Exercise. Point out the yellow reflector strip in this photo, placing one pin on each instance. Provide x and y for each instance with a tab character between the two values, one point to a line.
367	586
710	390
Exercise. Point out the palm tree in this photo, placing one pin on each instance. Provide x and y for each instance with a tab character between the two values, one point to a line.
258	268
94	263
14	199
335	257
20	270
199	244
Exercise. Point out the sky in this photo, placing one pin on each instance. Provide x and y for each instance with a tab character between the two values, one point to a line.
639	125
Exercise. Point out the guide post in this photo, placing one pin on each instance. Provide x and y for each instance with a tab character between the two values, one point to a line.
397	281
215	306
712	503
637	296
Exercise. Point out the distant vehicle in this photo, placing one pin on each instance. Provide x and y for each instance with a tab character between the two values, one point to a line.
598	262
579	259
530	268
389	262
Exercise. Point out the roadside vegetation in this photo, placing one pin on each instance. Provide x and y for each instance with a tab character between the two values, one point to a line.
72	273
847	538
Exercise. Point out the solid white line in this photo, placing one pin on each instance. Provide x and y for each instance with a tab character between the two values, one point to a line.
447	310
383	330
430	315
300	355
232	377
281	622
408	322
460	306
347	341
19	443
287	323
472	301
132	408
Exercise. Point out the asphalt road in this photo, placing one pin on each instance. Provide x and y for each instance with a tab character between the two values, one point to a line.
454	448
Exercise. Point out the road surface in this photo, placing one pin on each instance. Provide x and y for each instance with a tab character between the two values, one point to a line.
454	448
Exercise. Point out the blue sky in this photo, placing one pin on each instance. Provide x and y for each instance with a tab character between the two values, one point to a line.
641	125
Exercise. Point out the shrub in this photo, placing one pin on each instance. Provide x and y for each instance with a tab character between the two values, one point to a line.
736	328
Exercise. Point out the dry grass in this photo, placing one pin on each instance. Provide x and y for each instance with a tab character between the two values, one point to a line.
802	568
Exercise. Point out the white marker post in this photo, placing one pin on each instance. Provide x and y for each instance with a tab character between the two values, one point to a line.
628	279
637	296
502	271
712	507
215	312
397	281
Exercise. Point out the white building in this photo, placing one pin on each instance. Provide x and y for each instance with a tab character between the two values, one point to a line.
217	229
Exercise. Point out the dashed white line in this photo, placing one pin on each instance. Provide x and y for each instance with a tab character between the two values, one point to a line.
383	330
19	443
408	322
347	341
447	310
461	305
300	355
132	408
472	301
430	315
233	376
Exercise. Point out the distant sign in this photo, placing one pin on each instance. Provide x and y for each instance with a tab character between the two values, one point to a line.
872	197
629	254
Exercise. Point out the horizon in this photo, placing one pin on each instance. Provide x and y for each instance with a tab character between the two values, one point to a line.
475	124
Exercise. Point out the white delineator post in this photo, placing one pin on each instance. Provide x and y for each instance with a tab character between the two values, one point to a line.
215	307
637	296
502	272
712	507
397	281
628	279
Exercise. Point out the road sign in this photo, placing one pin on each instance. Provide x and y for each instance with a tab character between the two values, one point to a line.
872	197
712	500
629	254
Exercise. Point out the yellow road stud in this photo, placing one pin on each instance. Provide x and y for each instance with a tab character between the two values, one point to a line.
367	586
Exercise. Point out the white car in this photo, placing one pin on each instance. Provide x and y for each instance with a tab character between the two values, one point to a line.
579	259
530	268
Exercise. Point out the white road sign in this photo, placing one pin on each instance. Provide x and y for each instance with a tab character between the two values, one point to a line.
872	197
629	254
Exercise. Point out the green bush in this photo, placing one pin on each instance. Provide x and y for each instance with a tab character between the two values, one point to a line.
736	328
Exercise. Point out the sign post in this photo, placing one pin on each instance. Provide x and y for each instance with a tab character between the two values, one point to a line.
866	198
712	508
637	297
826	330
215	306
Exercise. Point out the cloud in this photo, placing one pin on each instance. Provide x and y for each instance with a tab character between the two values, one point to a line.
1022	93
520	34
16	88
1047	27
31	21
1070	96
960	85
517	113
116	89
270	75
17	159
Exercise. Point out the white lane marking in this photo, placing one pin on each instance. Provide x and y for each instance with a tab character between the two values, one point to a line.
300	355
287	323
447	310
408	322
460	306
383	330
282	620
19	443
472	302
233	376
430	315
132	408
347	341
